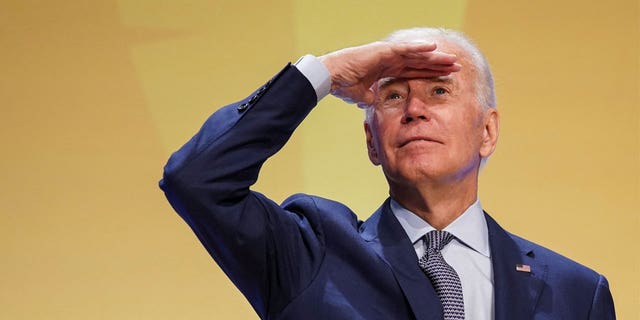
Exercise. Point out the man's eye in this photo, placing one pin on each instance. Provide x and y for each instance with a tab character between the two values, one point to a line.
439	91
394	96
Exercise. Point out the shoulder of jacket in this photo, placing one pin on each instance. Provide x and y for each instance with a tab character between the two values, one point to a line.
558	264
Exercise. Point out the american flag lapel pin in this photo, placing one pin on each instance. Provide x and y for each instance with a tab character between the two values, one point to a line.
523	268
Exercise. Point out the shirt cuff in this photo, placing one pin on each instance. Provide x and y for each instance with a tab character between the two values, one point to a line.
316	73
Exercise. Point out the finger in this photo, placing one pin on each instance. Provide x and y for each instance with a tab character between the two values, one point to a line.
454	67
354	94
368	98
411	73
413	46
421	72
434	57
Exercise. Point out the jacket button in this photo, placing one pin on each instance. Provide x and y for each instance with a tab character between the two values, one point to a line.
242	107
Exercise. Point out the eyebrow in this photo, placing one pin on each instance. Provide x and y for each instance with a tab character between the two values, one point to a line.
444	79
385	82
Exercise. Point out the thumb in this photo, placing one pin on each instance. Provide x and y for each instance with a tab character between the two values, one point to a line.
368	98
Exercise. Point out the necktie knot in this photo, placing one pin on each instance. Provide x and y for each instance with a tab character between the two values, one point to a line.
437	239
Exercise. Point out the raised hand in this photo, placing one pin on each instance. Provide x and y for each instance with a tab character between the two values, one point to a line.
353	70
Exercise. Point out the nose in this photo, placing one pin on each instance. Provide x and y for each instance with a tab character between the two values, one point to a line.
415	109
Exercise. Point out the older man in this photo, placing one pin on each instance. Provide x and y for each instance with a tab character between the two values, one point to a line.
429	252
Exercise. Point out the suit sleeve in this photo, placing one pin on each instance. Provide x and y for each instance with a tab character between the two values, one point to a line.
602	306
268	252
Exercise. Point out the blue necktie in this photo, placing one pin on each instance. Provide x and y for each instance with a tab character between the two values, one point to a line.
444	279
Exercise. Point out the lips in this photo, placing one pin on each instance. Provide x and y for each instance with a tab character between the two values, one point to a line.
411	139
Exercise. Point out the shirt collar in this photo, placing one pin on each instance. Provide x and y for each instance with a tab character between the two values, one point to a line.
470	228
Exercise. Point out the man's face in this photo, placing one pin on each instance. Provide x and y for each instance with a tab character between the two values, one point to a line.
430	130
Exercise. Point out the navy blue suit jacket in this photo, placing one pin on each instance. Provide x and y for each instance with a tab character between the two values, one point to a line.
311	258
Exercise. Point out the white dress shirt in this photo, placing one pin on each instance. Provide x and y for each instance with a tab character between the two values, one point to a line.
468	254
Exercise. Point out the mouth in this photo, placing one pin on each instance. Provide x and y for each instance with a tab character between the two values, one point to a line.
418	139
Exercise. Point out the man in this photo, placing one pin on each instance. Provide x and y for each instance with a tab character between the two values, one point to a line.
429	252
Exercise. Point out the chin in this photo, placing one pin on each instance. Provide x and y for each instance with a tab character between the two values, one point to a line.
417	171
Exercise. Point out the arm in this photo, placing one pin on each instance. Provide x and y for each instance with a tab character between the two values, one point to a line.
602	305
268	252
207	182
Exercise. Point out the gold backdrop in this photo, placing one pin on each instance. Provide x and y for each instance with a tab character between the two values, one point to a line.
95	95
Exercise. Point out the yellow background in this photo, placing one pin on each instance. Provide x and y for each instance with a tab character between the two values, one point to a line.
95	95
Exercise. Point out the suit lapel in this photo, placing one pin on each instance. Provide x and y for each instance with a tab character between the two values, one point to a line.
387	238
516	292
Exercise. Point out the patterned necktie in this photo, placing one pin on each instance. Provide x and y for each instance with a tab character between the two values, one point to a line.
444	279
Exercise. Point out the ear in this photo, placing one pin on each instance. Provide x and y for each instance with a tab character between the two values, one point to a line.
371	149
490	132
